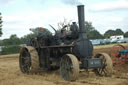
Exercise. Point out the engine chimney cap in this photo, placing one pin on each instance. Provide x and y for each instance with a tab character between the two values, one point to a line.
80	5
74	22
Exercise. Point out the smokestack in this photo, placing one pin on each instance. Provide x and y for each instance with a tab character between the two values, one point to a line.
81	21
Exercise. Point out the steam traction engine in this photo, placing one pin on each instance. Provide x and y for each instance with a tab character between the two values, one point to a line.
69	52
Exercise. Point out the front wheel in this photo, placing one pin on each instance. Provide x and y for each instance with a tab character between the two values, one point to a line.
69	67
107	68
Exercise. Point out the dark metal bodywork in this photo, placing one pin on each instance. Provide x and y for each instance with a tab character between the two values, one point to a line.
83	45
51	53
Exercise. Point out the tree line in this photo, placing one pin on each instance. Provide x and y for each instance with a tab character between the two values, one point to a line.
91	32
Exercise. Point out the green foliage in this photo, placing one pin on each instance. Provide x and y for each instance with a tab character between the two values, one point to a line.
95	35
89	26
27	38
126	34
119	31
109	33
92	33
10	49
1	25
34	34
13	40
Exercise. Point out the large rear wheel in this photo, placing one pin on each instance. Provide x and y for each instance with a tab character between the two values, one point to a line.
69	67
29	60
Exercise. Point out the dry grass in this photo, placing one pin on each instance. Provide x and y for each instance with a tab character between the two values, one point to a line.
11	75
108	46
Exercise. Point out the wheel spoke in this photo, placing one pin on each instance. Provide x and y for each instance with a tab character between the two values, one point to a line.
105	71
67	69
107	64
100	71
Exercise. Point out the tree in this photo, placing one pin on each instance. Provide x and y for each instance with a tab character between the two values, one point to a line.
5	42
27	38
89	27
13	40
61	24
95	35
109	33
119	32
0	24
92	33
34	34
126	34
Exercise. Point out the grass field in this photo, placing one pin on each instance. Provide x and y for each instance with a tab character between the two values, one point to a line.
11	75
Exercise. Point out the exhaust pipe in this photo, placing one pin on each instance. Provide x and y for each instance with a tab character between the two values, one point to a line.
81	21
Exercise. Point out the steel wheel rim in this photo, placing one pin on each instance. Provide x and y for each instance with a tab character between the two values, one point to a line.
66	67
107	68
25	61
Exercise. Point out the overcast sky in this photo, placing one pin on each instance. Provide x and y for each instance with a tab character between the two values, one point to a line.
21	15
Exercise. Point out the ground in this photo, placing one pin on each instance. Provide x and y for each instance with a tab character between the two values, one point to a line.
11	75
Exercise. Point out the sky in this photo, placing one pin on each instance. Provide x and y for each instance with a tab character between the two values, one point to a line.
20	15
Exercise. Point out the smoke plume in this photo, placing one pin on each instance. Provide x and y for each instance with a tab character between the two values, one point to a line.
72	2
